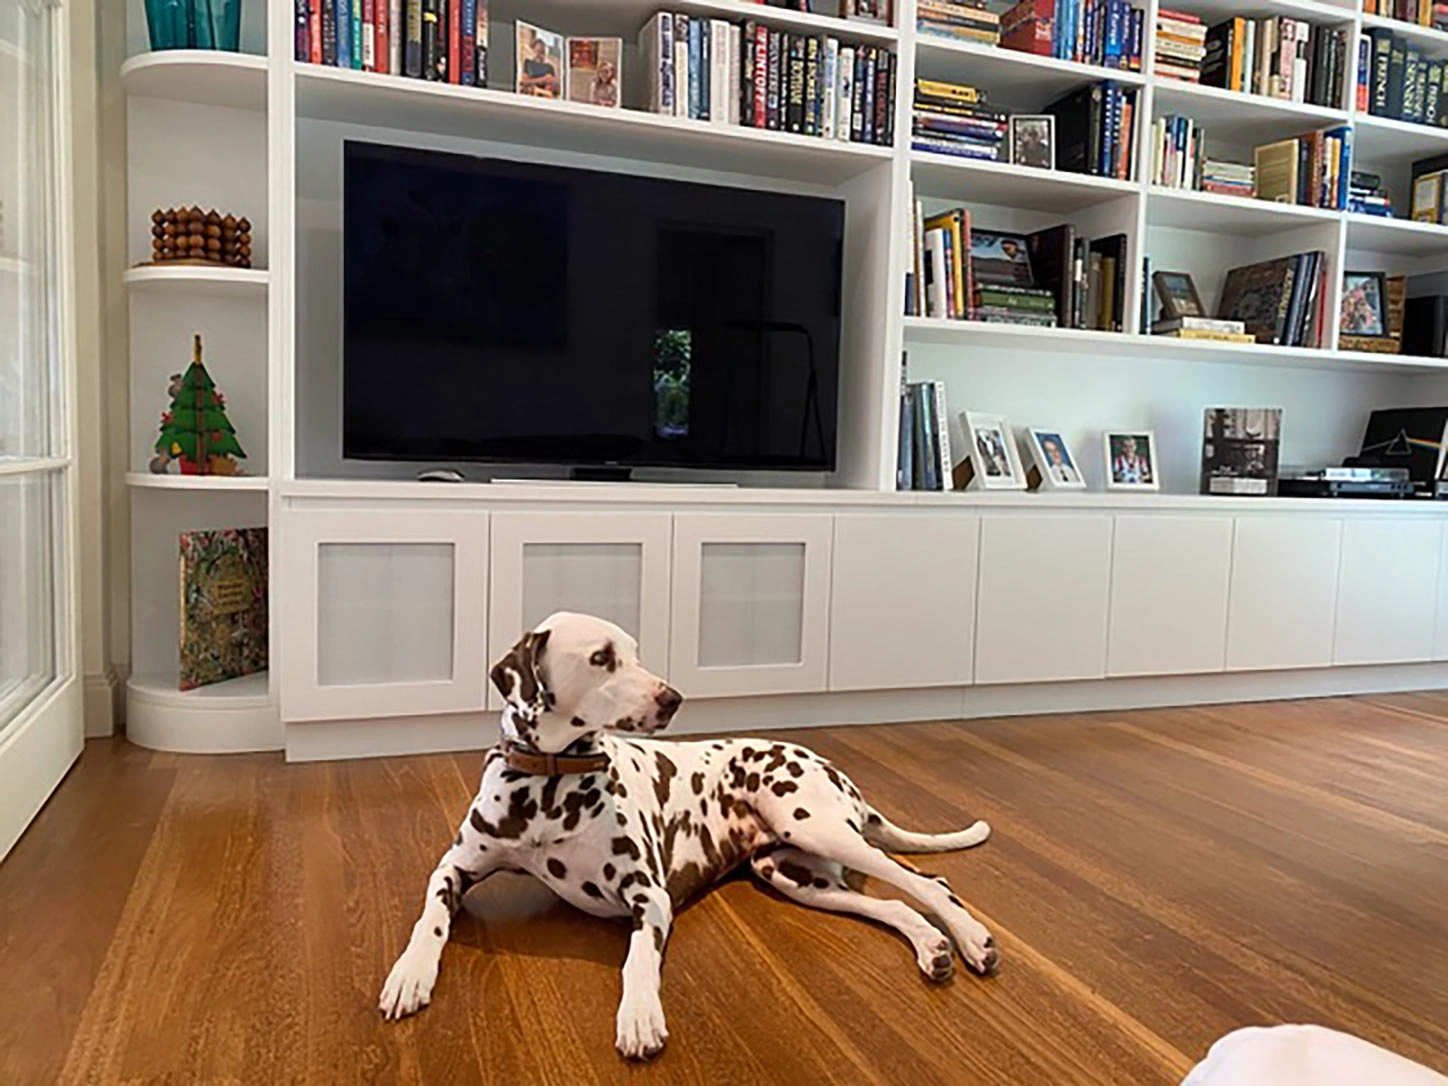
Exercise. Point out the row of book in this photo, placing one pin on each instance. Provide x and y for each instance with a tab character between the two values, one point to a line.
1049	278
1104	32
963	20
1096	130
1179	161
1278	57
923	457
1421	12
1312	170
1367	195
1396	80
956	119
754	75
441	40
1281	301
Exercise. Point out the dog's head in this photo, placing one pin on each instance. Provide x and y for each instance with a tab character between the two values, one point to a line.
574	675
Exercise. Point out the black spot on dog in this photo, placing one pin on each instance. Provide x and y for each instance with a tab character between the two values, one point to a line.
579	722
658	939
666	772
625	846
704	807
796	873
800	814
751	782
557	868
795	769
821	884
437	932
609	871
784	788
592	890
621	818
697	781
853	825
872	819
513	776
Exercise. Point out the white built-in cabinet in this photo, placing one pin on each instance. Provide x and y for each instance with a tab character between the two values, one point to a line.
614	565
1387	601
1169	585
1044	589
751	599
1284	592
902	600
384	613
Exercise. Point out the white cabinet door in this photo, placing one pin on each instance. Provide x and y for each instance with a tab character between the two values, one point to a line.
1169	579
1440	636
1284	592
1044	584
1387	591
902	600
383	614
750	603
613	565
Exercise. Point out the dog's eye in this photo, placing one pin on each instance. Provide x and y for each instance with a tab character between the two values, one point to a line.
600	658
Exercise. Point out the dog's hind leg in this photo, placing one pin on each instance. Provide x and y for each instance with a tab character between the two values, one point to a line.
409	986
820	884
880	831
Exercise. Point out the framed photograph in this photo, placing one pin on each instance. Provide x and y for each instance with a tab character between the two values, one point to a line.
1033	140
1240	447
868	11
996	257
595	70
1178	295
995	463
540	71
1364	304
1052	465
1131	460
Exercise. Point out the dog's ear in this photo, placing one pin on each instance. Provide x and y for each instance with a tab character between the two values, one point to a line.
519	678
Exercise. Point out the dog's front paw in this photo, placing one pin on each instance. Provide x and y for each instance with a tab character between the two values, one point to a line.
977	947
641	1029
409	986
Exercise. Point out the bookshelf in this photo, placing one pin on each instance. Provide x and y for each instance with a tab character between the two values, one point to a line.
263	136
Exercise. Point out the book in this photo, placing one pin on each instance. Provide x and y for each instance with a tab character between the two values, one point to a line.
1112	280
1276	167
223	585
1259	295
1240	450
1198	324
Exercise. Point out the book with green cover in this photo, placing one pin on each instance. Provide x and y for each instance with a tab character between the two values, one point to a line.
223	605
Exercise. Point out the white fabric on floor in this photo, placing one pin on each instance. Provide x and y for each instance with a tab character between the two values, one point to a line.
1305	1056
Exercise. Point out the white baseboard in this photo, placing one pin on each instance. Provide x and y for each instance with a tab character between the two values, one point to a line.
102	701
317	741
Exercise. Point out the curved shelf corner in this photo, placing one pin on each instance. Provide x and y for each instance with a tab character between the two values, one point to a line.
239	281
209	77
226	718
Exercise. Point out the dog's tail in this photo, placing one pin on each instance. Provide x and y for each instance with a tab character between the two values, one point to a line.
880	831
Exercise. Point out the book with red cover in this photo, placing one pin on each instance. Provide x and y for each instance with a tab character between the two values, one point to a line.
455	42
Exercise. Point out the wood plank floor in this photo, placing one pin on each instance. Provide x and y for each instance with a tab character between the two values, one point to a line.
1155	879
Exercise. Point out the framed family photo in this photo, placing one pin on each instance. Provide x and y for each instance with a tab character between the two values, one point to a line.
1364	303
995	464
594	70
1131	460
1033	140
1178	295
1052	465
540	71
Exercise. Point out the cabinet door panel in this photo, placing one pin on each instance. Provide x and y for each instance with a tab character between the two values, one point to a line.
902	600
1284	592
1387	592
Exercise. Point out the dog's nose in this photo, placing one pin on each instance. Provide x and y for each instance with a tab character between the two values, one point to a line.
668	700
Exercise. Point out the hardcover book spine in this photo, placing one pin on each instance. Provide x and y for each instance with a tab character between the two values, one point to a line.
468	49
811	126
412	46
683	70
844	110
1382	64
343	18
868	127
829	101
857	97
396	35
705	60
882	95
429	39
696	53
760	80
794	116
942	430
480	67
668	78
369	35
736	74
329	33
455	41
777	64
891	60
380	47
720	86
746	62
301	33
1397	78
314	30
357	35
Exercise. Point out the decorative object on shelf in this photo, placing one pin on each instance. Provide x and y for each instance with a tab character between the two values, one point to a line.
223	605
194	24
1052	465
192	236
1131	460
595	71
1410	438
1033	140
1364	304
540	72
196	431
868	11
1178	295
992	461
1427	189
1240	448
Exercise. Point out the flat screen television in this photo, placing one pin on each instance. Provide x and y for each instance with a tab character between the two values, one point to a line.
517	312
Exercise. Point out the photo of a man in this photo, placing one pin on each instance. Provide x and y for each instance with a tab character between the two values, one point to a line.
540	59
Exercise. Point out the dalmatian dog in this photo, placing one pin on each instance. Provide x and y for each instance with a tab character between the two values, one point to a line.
621	826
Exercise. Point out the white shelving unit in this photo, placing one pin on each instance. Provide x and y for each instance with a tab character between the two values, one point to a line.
263	137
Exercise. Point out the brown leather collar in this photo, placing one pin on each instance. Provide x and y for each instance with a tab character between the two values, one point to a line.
540	764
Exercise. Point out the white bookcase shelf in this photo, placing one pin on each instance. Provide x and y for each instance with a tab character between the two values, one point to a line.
1401	237
1425	37
250	282
151	481
200	76
1013	186
1215	213
1009	72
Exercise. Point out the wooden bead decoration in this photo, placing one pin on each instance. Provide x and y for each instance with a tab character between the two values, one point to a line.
196	236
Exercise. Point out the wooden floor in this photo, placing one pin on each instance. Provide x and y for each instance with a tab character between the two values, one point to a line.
1155	879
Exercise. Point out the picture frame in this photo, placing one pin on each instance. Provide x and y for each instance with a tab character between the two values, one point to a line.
1241	448
541	70
1032	140
595	71
1177	293
1364	310
1053	466
992	460
868	11
1131	460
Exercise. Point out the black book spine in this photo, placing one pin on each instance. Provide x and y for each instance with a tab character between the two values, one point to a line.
771	81
794	112
868	134
882	93
1217	64
1096	130
811	126
429	39
1382	51
746	75
857	94
1397	79
890	63
329	33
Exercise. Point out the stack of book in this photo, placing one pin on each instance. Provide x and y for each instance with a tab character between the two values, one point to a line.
939	284
1396	80
1180	45
923	457
444	41
1311	170
1224	331
1280	301
1095	130
760	77
1366	195
1004	284
955	119
1178	151
1103	32
963	20
1229	178
1421	12
1277	57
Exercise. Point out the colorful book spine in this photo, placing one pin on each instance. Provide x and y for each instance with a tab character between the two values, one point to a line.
369	35
329	32
468	44
343	18
357	43
301	32
454	41
412	42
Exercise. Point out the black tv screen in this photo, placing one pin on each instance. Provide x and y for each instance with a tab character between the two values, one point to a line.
510	311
